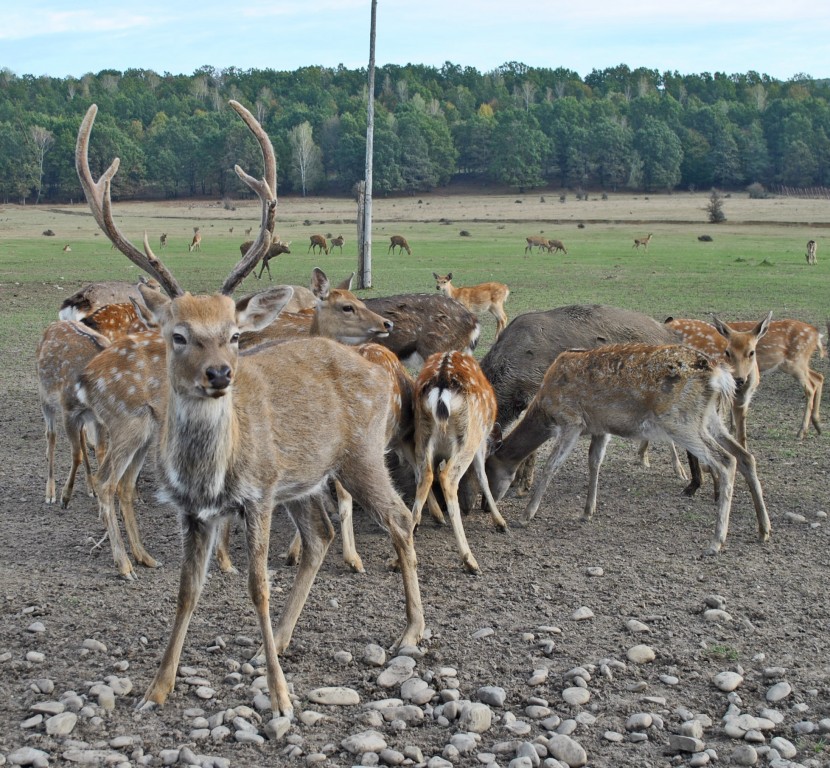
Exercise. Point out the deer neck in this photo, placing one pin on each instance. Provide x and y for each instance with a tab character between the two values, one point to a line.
198	451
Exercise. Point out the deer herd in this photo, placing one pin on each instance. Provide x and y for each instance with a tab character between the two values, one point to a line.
136	370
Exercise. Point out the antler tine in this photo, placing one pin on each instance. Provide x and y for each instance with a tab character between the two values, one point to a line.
266	191
98	195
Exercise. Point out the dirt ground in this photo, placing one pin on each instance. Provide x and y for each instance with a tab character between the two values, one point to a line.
646	537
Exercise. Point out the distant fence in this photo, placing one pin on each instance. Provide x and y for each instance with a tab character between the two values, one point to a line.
805	193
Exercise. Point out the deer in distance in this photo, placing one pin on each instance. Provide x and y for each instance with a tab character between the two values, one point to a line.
811	252
337	242
554	246
399	242
485	297
535	241
636	391
163	240
644	241
225	450
318	243
276	248
196	242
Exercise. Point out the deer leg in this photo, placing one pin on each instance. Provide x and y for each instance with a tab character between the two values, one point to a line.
696	475
676	465
596	454
817	380
478	466
739	420
344	506
257	534
110	471
746	466
424	476
565	443
198	539
223	555
449	476
126	496
642	454
375	493
317	533
51	439
295	550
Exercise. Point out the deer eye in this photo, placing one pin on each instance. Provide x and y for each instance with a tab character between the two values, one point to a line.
235	338
179	339
348	308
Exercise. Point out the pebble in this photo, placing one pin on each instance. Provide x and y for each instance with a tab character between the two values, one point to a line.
566	750
582	614
36	627
594	570
613	737
640	654
277	728
778	692
367	741
483	632
91	644
637	626
715	601
576	696
62	724
401	668
36	657
717	615
744	755
29	756
680	743
338	696
727	681
538	677
784	747
639	721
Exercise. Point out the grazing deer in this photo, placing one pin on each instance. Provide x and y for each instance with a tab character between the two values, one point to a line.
95	295
67	248
163	240
554	246
196	242
455	412
318	242
535	241
225	450
276	248
64	349
517	362
644	241
337	242
425	323
811	251
399	242
485	297
635	391
788	346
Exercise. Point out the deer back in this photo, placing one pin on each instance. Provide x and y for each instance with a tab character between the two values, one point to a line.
95	295
115	320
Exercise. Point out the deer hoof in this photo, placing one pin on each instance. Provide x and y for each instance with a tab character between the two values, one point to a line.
471	565
145	705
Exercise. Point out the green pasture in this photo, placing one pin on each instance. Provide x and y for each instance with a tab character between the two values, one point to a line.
747	269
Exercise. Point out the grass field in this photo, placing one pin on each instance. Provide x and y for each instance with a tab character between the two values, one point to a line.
754	263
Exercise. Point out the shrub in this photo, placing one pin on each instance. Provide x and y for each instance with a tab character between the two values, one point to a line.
757	191
715	208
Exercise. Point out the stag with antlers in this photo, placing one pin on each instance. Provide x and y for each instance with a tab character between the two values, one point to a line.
223	450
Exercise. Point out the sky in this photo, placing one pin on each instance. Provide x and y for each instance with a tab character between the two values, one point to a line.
69	38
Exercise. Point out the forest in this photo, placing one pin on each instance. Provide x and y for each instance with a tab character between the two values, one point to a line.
515	127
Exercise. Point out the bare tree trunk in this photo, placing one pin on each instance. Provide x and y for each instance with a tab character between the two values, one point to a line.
364	249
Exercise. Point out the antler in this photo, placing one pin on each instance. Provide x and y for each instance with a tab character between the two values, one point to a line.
98	195
266	191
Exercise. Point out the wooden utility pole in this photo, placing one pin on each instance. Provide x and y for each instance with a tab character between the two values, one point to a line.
364	208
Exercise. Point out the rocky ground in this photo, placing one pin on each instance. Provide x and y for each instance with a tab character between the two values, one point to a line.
610	643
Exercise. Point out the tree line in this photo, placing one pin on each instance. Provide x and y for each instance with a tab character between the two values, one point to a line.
517	126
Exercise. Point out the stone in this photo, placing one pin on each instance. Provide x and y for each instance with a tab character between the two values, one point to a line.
640	654
744	755
62	724
338	696
493	695
367	741
727	681
476	717
567	750
582	614
778	692
680	743
576	696
639	721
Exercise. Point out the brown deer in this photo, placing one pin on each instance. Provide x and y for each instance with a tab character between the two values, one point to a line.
116	320
222	449
425	323
196	242
554	246
64	349
485	297
635	391
535	241
337	242
276	248
644	241
318	242
399	242
455	412
163	240
95	295
811	252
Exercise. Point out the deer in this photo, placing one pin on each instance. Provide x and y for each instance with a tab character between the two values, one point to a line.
455	413
554	246
65	347
425	323
517	362
163	240
67	248
485	297
535	241
196	242
222	449
811	252
318	242
116	320
644	241
636	391
276	248
337	242
95	295
399	242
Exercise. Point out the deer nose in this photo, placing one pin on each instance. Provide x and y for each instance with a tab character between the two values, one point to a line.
739	382
219	378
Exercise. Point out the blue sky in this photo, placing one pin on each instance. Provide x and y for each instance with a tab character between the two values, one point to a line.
70	38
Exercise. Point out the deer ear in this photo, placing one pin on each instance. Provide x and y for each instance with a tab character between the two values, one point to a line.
143	313
723	329
320	286
255	312
156	303
346	285
494	439
449	276
763	326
